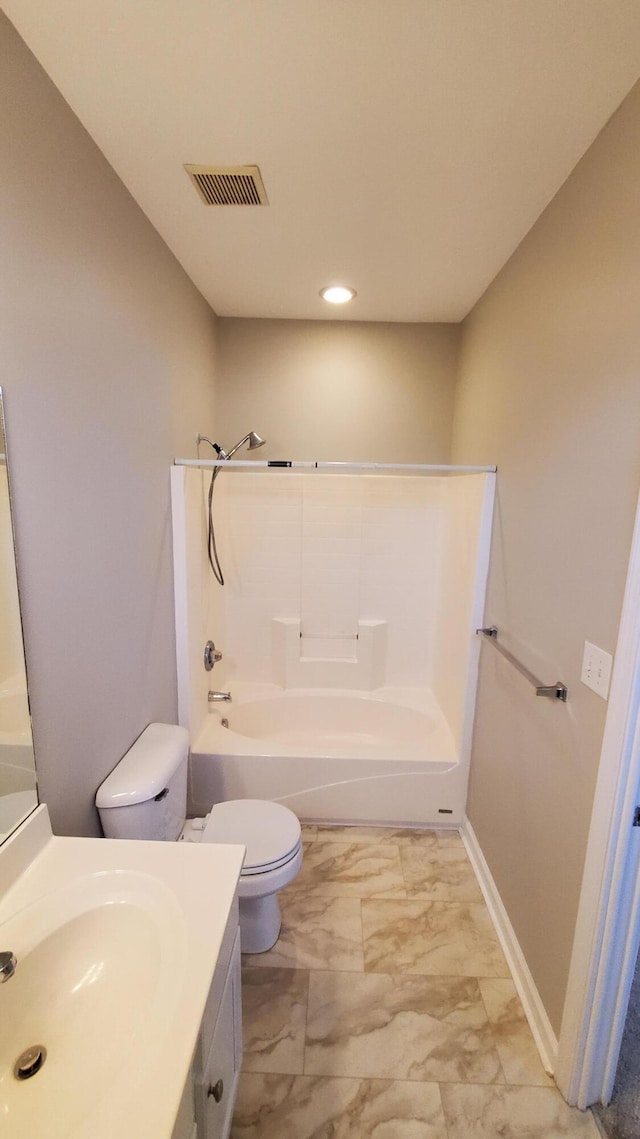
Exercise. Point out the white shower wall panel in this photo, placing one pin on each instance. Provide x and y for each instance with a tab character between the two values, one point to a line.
400	572
260	544
330	569
331	550
198	607
467	512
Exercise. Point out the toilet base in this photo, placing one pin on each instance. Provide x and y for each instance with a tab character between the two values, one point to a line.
260	923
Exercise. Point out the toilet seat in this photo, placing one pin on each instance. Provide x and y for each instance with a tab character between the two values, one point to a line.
270	832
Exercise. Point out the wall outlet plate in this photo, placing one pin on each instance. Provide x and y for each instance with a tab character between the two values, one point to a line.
596	669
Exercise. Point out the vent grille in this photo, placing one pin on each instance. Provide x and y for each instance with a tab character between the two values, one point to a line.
228	185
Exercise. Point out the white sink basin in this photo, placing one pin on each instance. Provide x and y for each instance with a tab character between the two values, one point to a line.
116	949
94	976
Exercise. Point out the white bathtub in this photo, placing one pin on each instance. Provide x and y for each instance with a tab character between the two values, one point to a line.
386	756
14	707
16	744
14	807
17	776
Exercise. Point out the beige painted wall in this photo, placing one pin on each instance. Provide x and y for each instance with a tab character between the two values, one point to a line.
549	389
108	358
338	390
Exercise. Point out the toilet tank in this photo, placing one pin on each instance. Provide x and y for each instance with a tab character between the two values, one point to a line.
146	794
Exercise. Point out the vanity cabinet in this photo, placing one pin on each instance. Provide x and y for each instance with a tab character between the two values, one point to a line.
206	1110
218	1055
215	1088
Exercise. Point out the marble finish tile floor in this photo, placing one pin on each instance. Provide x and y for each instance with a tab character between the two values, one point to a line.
386	1008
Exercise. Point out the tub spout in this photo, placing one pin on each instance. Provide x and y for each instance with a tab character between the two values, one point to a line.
217	697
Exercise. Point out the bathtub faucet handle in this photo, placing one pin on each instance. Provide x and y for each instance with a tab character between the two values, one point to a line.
217	697
211	655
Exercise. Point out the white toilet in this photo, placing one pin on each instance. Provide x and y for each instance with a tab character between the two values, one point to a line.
145	797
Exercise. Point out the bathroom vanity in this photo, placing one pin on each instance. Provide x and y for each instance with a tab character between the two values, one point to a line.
207	1103
127	980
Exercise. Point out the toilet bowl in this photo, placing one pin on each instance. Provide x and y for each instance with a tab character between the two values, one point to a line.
145	797
272	836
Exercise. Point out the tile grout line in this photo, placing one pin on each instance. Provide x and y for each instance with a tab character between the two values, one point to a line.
491	1026
444	1114
429	1083
383	973
417	1083
306	1024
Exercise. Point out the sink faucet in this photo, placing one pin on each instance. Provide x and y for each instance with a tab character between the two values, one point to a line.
217	697
8	962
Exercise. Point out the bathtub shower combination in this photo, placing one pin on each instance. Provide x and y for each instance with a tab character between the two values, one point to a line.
347	630
17	771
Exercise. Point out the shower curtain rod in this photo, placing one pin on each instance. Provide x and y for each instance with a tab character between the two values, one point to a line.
296	464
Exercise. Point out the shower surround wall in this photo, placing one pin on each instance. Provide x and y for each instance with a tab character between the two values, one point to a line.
16	749
325	566
330	550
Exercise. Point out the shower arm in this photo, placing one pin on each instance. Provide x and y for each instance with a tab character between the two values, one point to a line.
216	446
229	454
248	438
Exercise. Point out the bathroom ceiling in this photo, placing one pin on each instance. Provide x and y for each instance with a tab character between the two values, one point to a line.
406	146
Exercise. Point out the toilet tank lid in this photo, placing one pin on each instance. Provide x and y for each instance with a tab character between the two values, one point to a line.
146	768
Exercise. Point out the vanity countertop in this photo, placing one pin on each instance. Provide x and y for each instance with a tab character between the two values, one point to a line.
117	942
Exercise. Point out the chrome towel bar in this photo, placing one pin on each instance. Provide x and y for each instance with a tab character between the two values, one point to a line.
557	691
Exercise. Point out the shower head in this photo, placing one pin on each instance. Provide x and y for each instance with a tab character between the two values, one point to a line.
253	439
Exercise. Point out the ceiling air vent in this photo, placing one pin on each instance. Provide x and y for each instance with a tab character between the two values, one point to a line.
228	185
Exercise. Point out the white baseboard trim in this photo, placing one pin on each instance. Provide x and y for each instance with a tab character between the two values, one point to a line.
544	1036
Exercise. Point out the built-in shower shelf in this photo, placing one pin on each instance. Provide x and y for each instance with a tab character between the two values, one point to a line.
328	636
315	660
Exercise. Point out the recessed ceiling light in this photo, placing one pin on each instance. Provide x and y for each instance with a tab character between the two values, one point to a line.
337	294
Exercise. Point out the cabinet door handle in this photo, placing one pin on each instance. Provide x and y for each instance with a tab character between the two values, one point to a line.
216	1090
